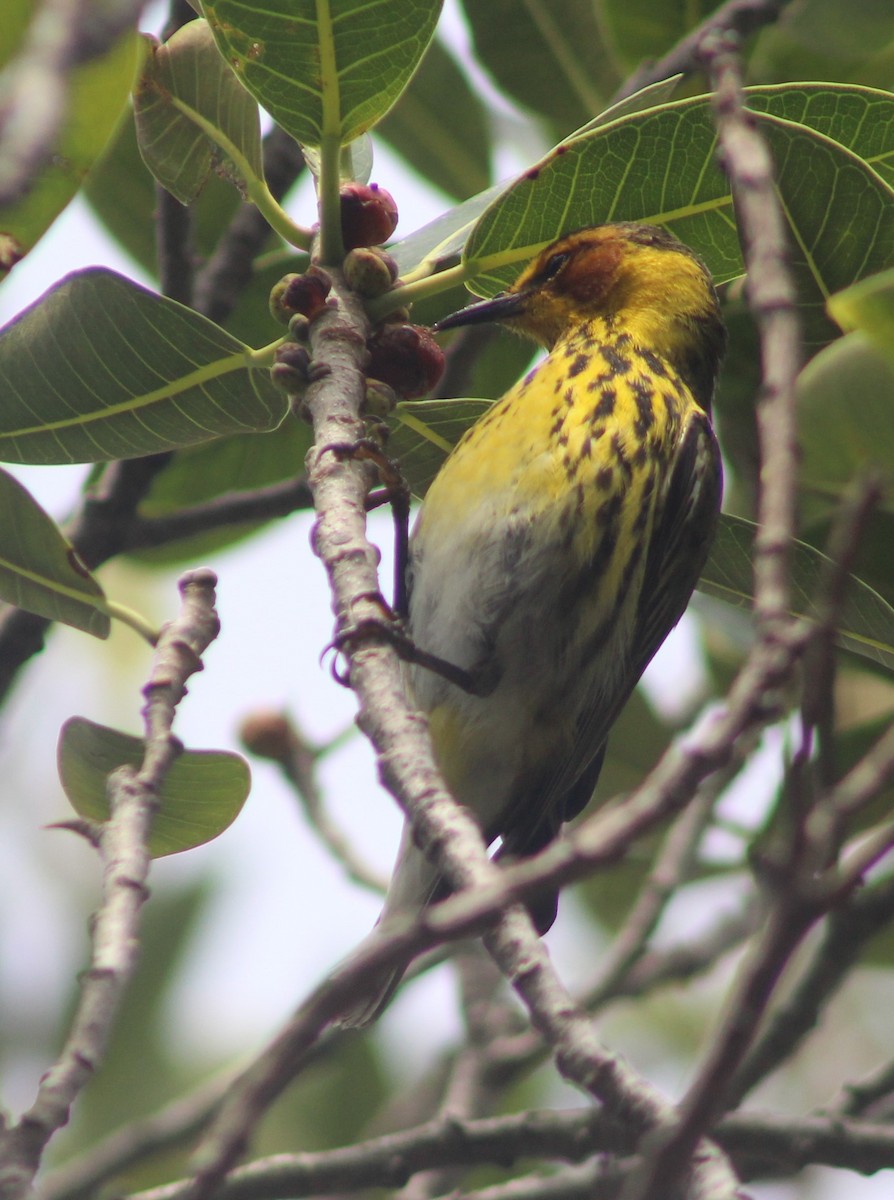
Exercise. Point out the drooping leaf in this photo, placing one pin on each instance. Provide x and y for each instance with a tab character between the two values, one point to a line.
186	81
201	795
39	570
867	622
324	67
439	243
100	368
98	92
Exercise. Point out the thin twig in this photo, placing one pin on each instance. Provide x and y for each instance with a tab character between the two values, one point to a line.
672	868
174	249
123	845
232	508
772	297
846	932
167	1129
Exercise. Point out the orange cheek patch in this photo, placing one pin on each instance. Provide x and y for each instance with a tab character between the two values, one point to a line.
590	276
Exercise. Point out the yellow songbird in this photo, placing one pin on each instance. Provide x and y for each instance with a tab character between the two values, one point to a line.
562	538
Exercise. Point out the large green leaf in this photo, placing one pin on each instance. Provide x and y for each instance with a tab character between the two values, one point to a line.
100	368
840	212
859	118
324	67
38	568
186	83
202	793
98	92
867	622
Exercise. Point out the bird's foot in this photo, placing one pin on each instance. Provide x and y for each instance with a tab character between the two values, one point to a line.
390	629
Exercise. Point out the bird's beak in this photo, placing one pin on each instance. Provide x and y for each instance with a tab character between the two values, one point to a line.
502	307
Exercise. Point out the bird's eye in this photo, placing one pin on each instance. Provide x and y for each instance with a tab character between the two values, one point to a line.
554	265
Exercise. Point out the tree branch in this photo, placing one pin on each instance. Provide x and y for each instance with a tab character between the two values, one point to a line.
762	1143
123	846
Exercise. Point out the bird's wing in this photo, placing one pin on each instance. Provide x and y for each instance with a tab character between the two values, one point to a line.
686	516
682	537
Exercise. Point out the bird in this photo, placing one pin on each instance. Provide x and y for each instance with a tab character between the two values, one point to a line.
560	542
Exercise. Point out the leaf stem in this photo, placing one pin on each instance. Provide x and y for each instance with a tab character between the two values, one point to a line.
258	191
332	250
129	616
419	289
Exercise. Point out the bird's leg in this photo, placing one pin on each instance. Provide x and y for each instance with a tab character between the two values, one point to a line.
482	678
480	681
397	493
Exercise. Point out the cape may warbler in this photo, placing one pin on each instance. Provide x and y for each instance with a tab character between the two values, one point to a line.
563	536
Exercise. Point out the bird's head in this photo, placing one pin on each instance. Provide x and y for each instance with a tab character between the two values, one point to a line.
635	278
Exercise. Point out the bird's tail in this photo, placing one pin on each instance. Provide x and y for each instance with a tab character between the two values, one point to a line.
378	989
413	884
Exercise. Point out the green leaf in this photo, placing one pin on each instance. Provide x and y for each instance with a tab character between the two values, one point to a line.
185	79
97	96
840	212
840	215
324	67
868	306
867	622
825	39
447	143
551	58
39	570
201	795
608	174
859	118
423	432
100	369
840	439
